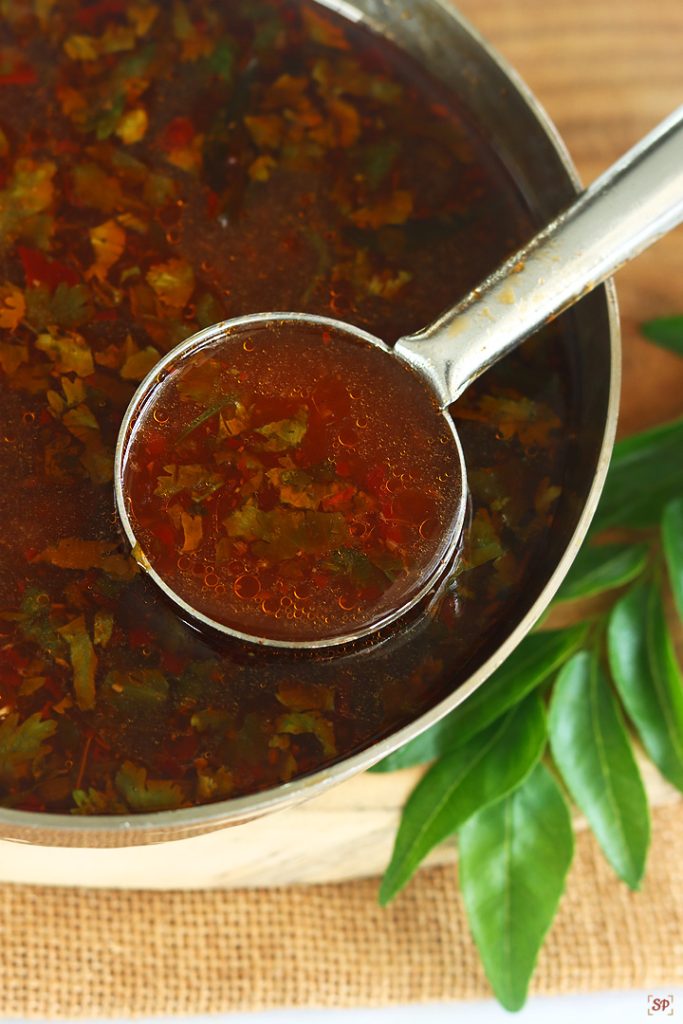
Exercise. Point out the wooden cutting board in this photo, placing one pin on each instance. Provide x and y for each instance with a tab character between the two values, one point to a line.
606	74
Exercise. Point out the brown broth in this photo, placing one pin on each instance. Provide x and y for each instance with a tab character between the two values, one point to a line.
292	483
164	167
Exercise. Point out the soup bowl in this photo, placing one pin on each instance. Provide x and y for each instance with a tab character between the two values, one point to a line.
528	145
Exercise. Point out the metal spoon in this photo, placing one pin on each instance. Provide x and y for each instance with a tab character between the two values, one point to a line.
628	208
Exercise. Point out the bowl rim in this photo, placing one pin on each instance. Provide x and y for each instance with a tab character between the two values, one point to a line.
47	828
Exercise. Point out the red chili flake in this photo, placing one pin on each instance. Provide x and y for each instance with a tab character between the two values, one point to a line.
54	686
38	269
172	663
339	499
375	479
61	146
86	17
138	637
165	534
31	802
155	446
184	748
178	132
212	203
9	677
20	76
12	655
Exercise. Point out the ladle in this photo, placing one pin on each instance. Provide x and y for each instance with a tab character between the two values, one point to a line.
629	207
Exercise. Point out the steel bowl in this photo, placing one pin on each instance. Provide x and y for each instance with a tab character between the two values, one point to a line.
527	142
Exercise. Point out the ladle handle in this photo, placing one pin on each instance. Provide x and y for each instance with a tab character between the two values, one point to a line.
629	207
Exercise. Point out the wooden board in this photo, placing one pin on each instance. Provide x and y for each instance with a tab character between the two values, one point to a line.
606	73
347	833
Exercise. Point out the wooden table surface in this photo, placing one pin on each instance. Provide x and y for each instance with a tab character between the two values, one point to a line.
606	73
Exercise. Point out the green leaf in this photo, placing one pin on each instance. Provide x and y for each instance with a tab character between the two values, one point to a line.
377	159
83	661
96	801
70	354
602	567
361	571
28	193
298	723
209	310
514	859
672	541
71	305
593	752
646	472
666	331
36	623
648	678
207	415
21	743
287	532
222	60
284	434
462	783
144	794
67	307
530	664
136	688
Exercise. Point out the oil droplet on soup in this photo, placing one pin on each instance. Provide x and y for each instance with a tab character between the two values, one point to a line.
247	468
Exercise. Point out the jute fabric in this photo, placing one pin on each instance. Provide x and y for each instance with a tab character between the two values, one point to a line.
107	953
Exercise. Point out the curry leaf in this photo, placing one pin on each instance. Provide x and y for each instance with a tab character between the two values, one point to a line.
74	553
173	282
67	307
514	859
602	567
672	541
666	331
206	415
462	783
646	472
83	661
284	434
95	801
144	794
71	306
297	723
648	678
140	689
36	623
21	743
70	353
591	748
530	664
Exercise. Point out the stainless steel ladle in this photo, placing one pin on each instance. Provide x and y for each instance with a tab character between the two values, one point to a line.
628	208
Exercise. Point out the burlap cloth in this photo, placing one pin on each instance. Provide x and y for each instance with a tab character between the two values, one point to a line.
105	953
